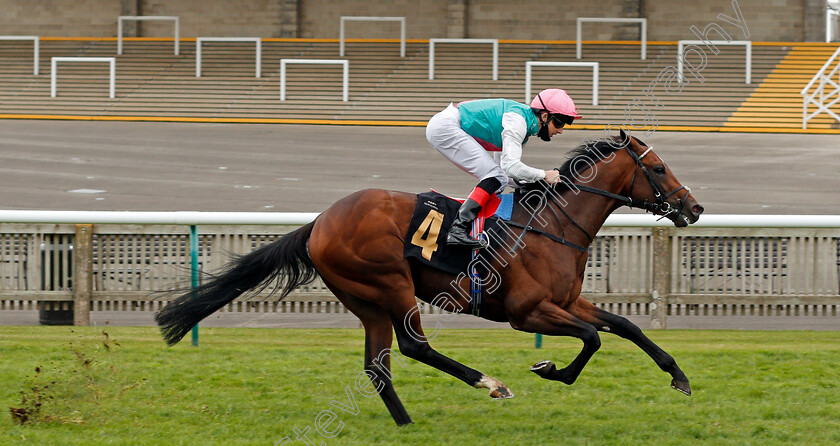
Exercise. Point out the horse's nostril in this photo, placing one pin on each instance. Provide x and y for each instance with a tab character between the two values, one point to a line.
697	209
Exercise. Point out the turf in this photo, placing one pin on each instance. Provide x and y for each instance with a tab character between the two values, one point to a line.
256	386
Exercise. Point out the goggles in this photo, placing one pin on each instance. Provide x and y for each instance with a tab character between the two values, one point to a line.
562	120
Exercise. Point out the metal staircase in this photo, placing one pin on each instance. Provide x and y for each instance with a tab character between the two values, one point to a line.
827	91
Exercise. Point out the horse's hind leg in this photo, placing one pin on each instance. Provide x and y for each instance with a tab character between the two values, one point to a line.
378	339
607	322
413	343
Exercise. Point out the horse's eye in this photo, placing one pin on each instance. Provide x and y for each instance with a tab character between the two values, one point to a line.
660	170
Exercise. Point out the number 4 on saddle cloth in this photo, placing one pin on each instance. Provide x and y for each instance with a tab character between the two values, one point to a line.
426	238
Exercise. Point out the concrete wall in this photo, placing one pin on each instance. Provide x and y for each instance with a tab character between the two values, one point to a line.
83	18
424	19
215	18
767	20
535	19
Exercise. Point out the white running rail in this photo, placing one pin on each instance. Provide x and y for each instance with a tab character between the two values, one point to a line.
123	18
35	40
746	43
831	17
109	60
199	40
345	78
494	42
302	218
823	98
593	65
371	19
640	21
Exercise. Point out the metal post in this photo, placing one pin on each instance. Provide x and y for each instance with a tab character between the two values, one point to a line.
661	277
282	80
82	274
431	59
194	272
177	36
345	94
402	38
52	77
198	57
259	57
496	60
112	79
37	54
537	340
749	62
341	38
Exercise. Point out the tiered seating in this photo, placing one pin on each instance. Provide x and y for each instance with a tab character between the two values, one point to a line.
777	101
152	82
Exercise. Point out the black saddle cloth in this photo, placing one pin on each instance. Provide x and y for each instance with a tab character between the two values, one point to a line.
426	238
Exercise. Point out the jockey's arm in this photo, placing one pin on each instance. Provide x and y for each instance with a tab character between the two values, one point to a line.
514	131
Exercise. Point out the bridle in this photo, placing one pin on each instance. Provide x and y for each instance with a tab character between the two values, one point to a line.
661	204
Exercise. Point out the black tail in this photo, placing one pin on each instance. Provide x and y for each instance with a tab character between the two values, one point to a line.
285	262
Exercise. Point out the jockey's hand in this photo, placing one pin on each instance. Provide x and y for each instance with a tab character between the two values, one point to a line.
552	177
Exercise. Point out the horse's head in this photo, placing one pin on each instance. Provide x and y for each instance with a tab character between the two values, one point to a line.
655	188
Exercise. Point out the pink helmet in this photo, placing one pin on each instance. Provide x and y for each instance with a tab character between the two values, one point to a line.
555	101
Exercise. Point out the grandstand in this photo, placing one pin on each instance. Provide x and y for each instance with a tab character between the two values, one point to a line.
154	84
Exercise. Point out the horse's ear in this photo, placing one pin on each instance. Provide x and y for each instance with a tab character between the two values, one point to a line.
625	141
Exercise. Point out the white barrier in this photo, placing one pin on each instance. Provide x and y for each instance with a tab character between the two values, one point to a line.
110	60
157	218
371	19
827	93
122	18
831	16
346	77
530	64
36	41
642	22
302	218
494	42
746	43
199	40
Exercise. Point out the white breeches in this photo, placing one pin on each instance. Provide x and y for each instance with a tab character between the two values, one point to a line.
445	134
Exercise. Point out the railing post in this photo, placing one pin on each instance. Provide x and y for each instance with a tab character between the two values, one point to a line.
661	277
82	274
194	273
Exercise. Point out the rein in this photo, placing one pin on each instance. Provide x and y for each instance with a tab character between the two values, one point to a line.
660	206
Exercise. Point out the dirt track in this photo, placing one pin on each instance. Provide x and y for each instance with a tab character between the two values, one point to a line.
249	167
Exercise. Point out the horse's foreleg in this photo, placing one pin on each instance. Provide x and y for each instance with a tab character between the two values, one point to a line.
549	319
607	322
413	343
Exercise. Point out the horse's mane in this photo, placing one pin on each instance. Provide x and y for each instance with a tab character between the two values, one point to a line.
593	151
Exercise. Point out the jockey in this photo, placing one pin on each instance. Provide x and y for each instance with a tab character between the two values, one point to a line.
485	137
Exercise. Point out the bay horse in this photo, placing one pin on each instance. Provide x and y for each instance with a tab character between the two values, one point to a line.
356	246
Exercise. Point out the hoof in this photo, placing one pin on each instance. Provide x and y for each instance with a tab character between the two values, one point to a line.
543	368
682	386
498	390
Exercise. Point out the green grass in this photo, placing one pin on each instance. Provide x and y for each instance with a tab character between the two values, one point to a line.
254	386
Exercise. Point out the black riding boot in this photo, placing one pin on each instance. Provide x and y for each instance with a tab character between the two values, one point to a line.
459	234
